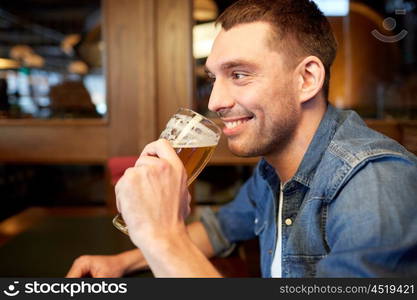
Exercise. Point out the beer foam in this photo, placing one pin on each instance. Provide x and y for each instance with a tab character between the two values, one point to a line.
186	131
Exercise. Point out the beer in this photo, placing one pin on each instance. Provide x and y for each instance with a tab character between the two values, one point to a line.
194	138
194	159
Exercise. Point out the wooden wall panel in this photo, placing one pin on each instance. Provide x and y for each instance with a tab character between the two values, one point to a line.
53	144
174	58
339	82
129	36
130	59
149	74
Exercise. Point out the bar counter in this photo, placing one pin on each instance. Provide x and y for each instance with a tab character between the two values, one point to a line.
43	242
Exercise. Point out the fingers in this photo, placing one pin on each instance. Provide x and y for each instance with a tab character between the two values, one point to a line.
74	272
162	149
148	170
134	177
188	205
188	199
143	190
102	274
116	192
78	269
144	161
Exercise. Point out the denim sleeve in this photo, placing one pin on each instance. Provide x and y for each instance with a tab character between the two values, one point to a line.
221	245
372	224
234	221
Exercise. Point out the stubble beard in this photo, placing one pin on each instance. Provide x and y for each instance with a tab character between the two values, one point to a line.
276	140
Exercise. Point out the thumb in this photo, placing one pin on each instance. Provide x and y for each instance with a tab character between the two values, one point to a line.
77	271
100	274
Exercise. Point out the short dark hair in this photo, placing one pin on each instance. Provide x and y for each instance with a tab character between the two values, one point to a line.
300	23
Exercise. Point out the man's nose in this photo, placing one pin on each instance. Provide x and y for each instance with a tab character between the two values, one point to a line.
220	97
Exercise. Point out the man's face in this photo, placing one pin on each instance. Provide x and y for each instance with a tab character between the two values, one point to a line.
253	91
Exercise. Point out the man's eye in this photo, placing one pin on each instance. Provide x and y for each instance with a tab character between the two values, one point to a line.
238	75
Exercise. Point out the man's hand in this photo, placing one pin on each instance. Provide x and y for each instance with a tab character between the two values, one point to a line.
108	265
97	266
152	196
154	202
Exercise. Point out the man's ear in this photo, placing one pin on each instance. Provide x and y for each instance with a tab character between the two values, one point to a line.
310	75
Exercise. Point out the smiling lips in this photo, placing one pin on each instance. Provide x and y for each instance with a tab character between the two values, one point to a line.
233	123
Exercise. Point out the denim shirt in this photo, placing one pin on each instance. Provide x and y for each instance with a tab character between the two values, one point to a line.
349	211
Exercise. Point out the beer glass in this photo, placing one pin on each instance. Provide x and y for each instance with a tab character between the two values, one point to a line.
194	138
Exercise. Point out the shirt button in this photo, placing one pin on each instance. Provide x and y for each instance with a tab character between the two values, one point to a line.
256	221
269	251
288	222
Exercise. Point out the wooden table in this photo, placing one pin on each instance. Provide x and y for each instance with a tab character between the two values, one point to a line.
43	242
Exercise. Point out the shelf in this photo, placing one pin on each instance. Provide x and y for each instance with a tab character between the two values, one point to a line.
54	122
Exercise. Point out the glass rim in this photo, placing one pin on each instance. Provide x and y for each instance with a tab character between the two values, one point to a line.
198	114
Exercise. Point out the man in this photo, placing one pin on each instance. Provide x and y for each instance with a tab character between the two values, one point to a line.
330	198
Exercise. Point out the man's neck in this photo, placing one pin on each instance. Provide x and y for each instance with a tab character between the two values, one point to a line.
288	160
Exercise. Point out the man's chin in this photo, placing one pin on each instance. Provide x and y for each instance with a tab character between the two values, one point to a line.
240	150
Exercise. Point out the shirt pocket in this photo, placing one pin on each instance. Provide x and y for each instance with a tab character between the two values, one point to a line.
301	265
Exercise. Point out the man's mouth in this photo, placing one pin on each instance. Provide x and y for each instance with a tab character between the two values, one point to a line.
233	123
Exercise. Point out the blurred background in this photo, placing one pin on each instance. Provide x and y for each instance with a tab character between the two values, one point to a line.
85	84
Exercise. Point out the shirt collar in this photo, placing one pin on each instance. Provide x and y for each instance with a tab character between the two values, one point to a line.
314	153
317	147
268	173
